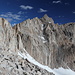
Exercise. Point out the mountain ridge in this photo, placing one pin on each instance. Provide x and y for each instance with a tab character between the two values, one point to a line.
48	43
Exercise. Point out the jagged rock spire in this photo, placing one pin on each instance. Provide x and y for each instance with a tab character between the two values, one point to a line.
46	19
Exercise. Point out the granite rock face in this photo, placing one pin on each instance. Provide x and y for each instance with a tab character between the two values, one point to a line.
10	62
50	44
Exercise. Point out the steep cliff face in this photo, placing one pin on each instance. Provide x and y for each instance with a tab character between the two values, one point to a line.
7	36
50	44
10	44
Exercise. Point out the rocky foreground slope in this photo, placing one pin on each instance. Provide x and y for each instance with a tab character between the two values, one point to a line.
49	44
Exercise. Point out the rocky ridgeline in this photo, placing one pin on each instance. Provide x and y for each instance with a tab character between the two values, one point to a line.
48	43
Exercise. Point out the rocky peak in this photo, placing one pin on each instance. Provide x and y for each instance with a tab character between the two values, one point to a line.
45	19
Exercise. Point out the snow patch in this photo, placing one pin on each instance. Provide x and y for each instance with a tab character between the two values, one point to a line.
63	71
22	55
41	26
43	39
49	22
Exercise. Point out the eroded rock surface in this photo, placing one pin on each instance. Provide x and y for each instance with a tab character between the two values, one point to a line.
48	43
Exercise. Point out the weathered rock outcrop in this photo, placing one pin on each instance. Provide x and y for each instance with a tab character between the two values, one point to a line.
48	43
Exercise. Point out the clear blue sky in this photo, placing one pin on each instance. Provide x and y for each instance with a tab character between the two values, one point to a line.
16	11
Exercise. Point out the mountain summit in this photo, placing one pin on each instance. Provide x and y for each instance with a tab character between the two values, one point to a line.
37	47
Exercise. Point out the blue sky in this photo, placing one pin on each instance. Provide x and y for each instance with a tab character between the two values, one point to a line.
16	11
